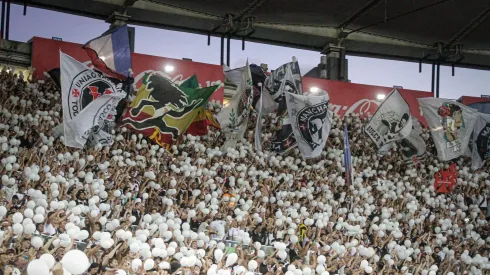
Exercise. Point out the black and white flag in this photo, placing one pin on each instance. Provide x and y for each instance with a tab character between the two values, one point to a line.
451	125
480	145
391	122
310	121
285	80
89	104
412	147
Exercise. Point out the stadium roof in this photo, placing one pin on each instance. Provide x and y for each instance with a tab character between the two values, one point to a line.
451	31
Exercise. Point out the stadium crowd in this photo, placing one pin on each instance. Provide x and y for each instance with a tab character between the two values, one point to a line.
134	208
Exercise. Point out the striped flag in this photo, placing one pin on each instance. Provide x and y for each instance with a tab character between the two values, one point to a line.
349	172
111	52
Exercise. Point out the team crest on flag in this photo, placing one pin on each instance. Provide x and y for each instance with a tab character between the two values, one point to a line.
310	121
86	87
452	122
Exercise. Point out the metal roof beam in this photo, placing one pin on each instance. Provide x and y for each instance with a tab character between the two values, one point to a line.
470	27
363	11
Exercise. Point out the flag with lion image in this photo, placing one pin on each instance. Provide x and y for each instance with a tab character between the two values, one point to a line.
163	110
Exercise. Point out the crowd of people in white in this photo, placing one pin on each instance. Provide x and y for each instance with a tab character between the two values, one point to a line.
134	208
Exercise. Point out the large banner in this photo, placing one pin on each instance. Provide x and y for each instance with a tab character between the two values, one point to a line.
345	97
45	57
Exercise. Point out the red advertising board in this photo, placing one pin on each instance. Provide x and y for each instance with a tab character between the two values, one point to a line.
468	100
345	97
349	98
45	56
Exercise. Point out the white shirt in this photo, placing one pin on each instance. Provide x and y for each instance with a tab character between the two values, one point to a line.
49	229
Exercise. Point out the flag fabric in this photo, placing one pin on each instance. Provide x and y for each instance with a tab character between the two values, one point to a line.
163	110
233	117
413	147
349	172
480	145
89	104
55	76
451	125
258	124
111	52
391	121
233	76
310	121
258	79
286	79
199	126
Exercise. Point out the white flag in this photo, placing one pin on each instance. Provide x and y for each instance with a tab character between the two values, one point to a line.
391	122
311	122
451	124
233	117
89	103
480	145
413	147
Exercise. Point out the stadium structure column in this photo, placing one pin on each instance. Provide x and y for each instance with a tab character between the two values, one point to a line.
117	19
335	64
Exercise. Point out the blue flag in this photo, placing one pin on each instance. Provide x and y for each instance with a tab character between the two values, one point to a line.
111	52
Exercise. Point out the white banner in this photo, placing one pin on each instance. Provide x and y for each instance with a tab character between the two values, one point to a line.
311	122
89	103
391	122
451	125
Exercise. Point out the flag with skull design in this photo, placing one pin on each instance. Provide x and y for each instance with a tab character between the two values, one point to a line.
391	122
311	122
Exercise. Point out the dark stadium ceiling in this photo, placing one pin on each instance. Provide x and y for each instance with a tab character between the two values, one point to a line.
449	31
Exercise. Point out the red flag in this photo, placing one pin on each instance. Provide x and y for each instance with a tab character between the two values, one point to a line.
445	180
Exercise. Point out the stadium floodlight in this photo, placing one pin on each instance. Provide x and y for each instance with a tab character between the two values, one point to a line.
380	96
314	90
169	68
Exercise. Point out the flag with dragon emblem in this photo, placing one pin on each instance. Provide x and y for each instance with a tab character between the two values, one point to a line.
163	110
233	118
